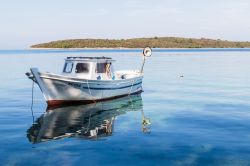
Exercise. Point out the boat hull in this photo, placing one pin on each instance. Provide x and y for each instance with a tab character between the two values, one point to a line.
61	90
54	103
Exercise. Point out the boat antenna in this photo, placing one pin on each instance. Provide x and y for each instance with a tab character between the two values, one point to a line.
147	52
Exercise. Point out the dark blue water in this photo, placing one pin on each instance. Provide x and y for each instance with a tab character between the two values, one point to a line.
197	103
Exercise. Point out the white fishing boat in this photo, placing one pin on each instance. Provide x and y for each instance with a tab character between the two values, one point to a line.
87	80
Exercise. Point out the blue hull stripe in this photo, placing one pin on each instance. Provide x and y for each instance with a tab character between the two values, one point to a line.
111	88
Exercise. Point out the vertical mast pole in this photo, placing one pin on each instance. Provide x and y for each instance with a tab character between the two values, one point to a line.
147	52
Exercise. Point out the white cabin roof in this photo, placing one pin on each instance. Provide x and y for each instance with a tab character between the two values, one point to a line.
90	59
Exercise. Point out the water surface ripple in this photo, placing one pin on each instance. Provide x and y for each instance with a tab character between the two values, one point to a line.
197	103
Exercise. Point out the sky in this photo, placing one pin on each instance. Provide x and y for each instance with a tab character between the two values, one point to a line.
27	22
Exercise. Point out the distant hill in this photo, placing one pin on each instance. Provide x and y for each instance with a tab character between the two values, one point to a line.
156	42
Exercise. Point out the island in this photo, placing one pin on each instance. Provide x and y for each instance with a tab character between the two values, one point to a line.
154	42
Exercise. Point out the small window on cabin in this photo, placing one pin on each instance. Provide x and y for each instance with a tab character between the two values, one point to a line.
101	67
82	68
68	67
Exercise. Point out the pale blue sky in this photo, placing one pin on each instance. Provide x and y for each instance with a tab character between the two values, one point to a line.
27	22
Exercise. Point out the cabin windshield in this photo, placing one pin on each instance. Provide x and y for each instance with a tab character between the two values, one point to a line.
82	68
68	67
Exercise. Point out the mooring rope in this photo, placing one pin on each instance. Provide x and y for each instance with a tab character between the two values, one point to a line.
32	101
90	92
132	86
87	128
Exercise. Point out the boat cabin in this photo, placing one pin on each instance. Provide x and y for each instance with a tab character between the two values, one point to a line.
94	68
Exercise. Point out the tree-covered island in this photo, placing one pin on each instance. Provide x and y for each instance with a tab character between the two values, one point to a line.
155	42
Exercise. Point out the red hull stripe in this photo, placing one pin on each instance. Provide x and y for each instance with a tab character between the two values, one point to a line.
55	103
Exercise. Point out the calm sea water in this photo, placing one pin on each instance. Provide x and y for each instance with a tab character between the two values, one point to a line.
197	101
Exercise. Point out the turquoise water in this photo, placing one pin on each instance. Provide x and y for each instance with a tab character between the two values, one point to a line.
197	102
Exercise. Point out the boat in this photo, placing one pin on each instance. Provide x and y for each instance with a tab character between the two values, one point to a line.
89	121
87	80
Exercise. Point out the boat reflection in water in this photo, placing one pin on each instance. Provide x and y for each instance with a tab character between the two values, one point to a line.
90	121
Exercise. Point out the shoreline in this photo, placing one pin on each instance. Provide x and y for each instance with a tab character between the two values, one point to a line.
133	48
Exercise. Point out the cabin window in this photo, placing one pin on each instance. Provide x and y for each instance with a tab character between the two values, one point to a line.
68	67
82	68
101	67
